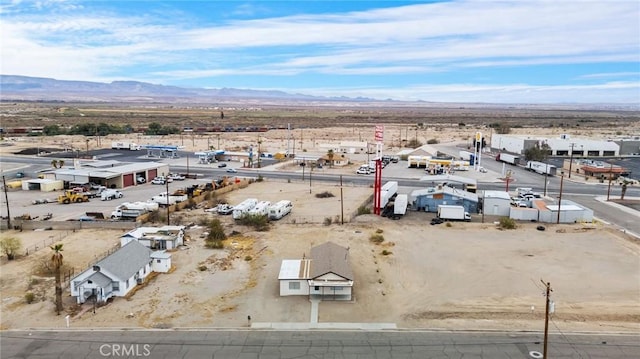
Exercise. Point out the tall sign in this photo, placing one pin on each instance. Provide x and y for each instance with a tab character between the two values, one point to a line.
377	183
477	151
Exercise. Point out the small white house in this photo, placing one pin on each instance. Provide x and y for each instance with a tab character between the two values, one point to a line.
326	274
113	276
160	261
156	238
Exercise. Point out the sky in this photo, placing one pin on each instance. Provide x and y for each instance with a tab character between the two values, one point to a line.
551	51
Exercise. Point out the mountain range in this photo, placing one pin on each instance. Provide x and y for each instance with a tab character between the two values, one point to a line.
24	88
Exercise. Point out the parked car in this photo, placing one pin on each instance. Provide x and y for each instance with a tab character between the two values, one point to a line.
232	170
176	177
222	165
159	180
140	180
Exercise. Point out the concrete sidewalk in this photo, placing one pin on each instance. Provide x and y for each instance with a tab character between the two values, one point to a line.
332	326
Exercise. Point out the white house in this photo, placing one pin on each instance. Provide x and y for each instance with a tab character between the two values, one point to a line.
115	275
156	238
496	203
160	262
326	274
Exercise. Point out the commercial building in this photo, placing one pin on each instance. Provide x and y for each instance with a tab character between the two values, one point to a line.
562	146
111	174
496	203
429	199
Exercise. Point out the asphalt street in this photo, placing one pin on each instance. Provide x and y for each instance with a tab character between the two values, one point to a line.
309	344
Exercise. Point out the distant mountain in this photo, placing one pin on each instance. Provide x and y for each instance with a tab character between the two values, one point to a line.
23	88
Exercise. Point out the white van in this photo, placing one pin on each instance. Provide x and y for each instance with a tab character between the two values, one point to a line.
109	194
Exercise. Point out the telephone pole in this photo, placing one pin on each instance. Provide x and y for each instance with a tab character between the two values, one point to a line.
6	199
546	317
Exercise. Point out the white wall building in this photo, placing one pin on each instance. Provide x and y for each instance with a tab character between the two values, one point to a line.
156	238
160	262
563	146
496	203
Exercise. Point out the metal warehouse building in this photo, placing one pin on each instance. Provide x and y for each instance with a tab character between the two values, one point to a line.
428	199
112	174
563	146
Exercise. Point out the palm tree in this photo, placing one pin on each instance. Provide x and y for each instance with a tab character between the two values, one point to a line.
330	155
625	183
54	163
60	163
56	261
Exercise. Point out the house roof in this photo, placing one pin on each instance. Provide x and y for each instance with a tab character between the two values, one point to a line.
330	258
160	255
126	261
99	279
497	194
294	269
164	232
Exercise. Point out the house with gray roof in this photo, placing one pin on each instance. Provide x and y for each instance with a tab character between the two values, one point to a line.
115	275
326	274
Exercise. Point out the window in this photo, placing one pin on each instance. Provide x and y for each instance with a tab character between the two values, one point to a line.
126	284
294	285
157	261
337	288
115	285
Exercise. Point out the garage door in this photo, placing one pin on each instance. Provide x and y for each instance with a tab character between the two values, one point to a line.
153	174
127	180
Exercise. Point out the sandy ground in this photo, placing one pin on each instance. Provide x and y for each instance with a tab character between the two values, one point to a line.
469	275
465	276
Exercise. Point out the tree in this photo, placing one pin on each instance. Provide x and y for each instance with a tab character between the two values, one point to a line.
57	261
10	246
330	155
537	152
153	129
216	235
623	192
54	163
60	163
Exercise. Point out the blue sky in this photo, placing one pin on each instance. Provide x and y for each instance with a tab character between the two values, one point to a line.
564	51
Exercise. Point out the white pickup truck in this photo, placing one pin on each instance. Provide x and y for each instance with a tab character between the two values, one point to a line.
166	199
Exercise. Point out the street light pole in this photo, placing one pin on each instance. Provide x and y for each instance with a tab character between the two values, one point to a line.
610	176
571	159
560	198
167	185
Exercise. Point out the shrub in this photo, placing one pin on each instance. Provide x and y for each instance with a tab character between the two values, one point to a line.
10	246
202	267
325	194
191	203
363	210
379	230
204	221
260	178
507	223
449	224
432	141
257	221
216	232
327	221
213	244
386	252
248	258
376	238
29	297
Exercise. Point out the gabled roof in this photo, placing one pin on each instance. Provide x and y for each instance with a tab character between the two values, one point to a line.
330	258
99	279
126	261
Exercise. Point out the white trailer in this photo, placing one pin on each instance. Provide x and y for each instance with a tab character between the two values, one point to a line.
244	207
133	209
453	213
388	191
542	168
280	209
465	155
166	199
123	145
400	206
508	158
261	208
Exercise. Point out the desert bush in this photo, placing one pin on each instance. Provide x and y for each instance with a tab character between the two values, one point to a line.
363	210
386	252
325	194
327	221
258	222
260	178
432	141
204	221
507	223
248	258
413	143
213	244
379	230
376	238
216	232
449	224
202	267
29	297
191	203
177	220
10	246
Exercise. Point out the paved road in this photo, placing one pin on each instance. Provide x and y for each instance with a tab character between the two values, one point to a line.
309	344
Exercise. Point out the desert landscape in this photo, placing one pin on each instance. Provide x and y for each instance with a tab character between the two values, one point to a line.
463	276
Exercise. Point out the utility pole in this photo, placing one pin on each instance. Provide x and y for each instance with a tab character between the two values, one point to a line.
546	317
341	203
560	198
167	184
546	176
6	199
610	175
571	159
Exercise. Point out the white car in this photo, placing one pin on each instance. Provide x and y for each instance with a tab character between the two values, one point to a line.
161	180
141	180
110	194
175	177
232	170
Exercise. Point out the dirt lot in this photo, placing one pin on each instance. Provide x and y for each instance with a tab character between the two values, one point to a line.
468	275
